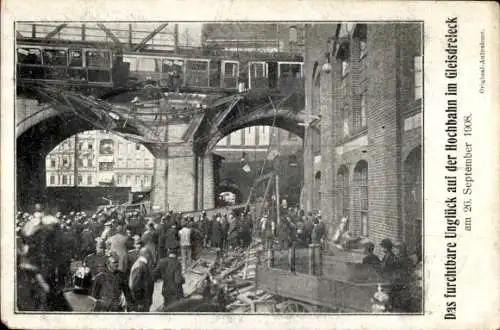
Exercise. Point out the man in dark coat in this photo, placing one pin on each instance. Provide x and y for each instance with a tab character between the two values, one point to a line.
389	264
87	241
109	287
283	234
161	231
141	282
206	228
217	233
170	271
172	239
197	240
149	240
245	233
225	232
370	258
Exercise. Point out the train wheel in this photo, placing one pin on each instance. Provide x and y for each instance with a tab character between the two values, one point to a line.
291	306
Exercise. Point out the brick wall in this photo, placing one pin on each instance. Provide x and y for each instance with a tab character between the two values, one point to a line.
315	49
179	183
384	133
387	78
209	183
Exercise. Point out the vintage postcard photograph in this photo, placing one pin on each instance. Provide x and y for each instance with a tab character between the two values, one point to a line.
234	168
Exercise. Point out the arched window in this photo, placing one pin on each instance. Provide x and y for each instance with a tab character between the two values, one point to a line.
412	197
343	201
360	214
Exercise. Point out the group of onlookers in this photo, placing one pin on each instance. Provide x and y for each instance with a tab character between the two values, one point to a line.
122	255
295	227
402	272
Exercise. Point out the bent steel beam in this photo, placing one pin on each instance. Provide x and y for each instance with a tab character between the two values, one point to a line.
55	31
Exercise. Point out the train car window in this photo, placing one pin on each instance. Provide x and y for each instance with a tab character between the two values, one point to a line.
258	70
132	60
75	58
290	70
55	57
197	65
97	59
148	64
29	56
231	69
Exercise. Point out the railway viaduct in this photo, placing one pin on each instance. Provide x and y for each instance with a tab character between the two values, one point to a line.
180	129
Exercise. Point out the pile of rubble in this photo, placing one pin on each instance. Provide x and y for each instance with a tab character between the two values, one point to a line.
235	272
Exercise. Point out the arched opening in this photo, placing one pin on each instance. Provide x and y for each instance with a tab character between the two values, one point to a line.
360	198
253	151
51	166
228	193
412	206
343	195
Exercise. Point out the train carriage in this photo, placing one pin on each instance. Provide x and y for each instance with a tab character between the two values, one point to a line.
103	65
69	64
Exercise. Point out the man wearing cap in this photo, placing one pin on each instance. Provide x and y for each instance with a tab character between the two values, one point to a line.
217	233
206	228
170	271
109	286
172	239
141	282
389	263
148	240
161	231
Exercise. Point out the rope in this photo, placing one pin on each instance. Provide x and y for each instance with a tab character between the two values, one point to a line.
268	148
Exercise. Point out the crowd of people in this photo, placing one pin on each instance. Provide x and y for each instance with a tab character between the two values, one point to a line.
123	254
115	258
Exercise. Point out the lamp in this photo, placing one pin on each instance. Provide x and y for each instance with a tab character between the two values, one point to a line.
327	67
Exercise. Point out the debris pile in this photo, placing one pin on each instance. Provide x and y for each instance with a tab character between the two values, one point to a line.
234	271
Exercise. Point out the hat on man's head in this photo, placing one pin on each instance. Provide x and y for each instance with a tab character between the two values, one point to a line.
386	243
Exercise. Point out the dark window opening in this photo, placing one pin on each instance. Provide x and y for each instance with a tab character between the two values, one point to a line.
55	57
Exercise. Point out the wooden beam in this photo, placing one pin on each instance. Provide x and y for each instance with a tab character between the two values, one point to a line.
176	37
83	32
110	35
150	36
33	31
55	31
130	36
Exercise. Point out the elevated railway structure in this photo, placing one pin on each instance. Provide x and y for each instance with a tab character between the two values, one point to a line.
177	103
